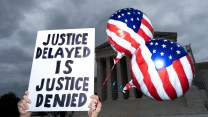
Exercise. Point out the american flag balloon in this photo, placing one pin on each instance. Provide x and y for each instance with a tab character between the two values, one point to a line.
161	69
127	29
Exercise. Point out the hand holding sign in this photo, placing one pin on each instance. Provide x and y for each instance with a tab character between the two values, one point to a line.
94	106
22	105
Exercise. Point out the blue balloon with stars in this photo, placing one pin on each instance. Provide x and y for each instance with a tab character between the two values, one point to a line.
164	52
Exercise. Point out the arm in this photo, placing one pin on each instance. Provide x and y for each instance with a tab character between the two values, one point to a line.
95	106
23	106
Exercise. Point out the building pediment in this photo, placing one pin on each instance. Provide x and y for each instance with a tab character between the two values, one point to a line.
103	46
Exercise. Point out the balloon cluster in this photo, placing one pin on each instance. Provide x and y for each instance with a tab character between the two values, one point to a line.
160	68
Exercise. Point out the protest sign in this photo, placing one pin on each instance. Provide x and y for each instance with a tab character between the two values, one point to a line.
62	74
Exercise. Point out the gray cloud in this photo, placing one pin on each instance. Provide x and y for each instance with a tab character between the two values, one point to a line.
13	55
15	69
12	13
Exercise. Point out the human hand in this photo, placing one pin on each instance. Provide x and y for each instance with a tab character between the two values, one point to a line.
95	106
23	105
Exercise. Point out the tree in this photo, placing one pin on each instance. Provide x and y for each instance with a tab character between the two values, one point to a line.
8	105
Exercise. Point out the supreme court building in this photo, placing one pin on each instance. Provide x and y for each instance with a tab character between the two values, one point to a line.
133	103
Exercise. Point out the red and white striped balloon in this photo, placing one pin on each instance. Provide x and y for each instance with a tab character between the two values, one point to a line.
161	69
127	29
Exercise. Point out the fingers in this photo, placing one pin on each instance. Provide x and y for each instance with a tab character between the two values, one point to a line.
26	98
23	103
95	106
94	97
94	102
21	107
99	106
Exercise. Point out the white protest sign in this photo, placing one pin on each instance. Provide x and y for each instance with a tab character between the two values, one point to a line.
62	74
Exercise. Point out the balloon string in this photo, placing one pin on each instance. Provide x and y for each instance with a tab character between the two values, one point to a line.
107	77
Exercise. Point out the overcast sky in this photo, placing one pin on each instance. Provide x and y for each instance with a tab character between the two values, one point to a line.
21	19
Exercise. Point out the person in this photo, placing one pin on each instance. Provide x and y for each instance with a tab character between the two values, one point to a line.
94	106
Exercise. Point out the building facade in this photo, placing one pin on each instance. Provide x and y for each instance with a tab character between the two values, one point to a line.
133	103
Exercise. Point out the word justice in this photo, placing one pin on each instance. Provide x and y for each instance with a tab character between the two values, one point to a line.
66	39
64	83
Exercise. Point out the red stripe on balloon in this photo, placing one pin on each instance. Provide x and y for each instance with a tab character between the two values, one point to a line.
146	23
118	47
143	35
123	34
168	87
134	80
147	79
178	67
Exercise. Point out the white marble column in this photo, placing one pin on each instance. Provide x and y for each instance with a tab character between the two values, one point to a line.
109	84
